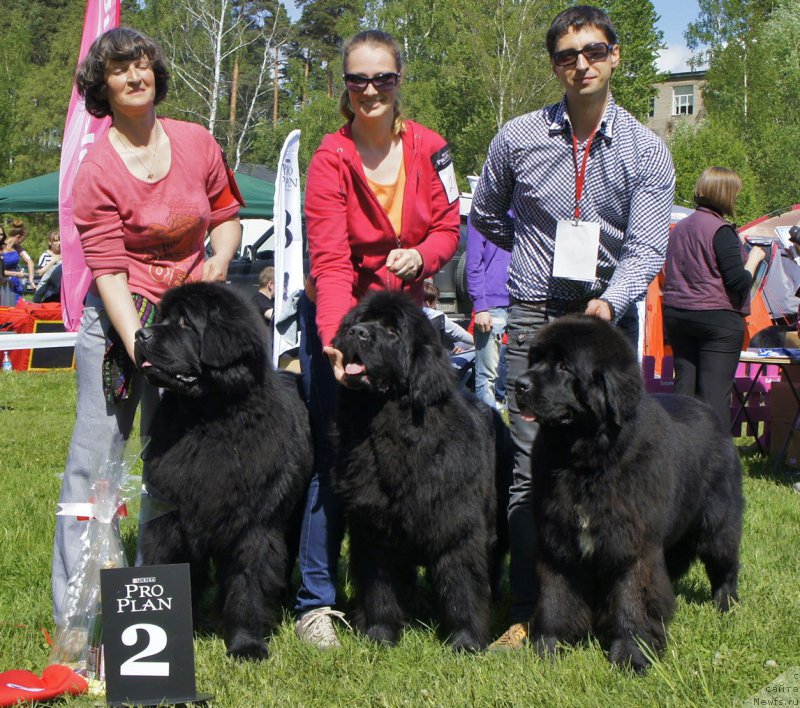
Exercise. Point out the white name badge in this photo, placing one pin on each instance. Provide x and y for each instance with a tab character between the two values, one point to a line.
576	250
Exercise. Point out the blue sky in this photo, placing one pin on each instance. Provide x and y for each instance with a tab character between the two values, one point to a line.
675	16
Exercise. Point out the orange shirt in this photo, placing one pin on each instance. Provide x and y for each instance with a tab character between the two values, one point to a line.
390	197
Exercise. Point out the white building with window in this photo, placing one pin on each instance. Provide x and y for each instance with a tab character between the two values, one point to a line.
679	100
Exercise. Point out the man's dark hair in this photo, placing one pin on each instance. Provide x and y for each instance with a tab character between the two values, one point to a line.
576	18
119	44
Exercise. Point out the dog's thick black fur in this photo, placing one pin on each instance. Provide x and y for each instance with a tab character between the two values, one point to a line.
416	474
628	490
230	449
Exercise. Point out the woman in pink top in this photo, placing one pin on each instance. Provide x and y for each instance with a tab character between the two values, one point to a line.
144	198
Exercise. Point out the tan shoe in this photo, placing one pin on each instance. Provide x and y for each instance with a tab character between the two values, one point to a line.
315	627
515	637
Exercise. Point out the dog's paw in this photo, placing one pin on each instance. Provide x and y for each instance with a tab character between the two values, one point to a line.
626	653
465	640
544	645
724	599
382	634
245	647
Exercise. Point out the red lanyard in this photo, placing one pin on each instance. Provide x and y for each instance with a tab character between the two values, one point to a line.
580	175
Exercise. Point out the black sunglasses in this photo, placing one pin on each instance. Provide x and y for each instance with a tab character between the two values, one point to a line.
381	82
596	51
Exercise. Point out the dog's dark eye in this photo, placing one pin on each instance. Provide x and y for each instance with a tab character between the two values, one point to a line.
182	322
392	331
561	366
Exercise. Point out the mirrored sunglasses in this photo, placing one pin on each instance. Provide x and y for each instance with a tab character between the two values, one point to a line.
381	82
597	51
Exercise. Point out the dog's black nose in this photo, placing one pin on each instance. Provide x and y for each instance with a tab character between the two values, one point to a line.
359	331
524	385
143	334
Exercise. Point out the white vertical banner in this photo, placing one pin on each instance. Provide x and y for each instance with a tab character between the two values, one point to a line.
288	249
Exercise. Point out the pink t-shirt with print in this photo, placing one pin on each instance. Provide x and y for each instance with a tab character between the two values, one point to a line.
153	231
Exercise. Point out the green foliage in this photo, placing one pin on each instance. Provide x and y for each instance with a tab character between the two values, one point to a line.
640	42
710	659
751	98
716	142
314	119
469	67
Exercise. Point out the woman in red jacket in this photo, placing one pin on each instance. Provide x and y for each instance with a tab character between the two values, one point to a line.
381	212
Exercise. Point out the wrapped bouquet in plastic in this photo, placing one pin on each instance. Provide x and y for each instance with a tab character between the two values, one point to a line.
78	643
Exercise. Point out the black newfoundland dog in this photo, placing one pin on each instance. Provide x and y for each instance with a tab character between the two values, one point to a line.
416	474
230	450
628	490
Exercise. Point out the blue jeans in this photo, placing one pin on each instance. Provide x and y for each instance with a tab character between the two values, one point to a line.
488	347
323	525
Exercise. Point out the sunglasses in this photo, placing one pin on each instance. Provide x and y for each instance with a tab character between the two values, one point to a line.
597	51
381	82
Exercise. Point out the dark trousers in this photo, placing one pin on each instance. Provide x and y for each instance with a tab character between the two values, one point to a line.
524	321
706	354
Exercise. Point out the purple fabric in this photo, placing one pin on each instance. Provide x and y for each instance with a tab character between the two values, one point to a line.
693	280
487	271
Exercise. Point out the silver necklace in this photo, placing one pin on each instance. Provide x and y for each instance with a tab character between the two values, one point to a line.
129	148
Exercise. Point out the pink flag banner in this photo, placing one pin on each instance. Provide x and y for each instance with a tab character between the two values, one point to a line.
80	131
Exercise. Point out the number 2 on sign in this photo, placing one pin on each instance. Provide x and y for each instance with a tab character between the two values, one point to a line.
157	642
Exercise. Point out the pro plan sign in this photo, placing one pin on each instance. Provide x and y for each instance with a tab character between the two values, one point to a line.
147	635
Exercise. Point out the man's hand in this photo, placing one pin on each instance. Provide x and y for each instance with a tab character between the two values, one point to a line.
405	263
599	309
483	321
215	269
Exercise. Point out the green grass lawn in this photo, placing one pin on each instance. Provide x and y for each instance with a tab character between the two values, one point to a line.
710	659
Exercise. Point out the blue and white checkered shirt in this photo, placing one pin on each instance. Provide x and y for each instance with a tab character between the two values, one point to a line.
629	189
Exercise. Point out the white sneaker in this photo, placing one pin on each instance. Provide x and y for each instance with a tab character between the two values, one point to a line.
315	627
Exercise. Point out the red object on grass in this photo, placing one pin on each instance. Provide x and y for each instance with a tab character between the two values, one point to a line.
18	685
20	319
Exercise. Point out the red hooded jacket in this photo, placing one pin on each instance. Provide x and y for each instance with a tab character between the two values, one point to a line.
349	232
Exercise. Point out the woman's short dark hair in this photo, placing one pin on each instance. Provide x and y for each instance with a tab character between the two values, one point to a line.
119	44
575	18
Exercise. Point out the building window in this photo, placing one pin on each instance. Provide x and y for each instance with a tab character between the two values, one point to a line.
683	100
652	112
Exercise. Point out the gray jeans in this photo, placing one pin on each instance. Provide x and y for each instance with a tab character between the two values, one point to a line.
97	424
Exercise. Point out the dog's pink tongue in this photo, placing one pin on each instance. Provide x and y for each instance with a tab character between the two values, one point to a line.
354	369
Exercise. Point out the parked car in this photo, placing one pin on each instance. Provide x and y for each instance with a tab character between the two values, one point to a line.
451	280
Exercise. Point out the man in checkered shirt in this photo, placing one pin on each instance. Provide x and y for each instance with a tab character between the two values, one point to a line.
591	190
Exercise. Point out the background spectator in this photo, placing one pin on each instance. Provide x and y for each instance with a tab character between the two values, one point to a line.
708	276
52	256
487	282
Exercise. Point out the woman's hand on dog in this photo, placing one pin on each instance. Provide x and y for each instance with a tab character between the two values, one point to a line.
215	269
336	359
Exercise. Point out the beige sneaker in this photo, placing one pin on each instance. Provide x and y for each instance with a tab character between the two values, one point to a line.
515	637
315	627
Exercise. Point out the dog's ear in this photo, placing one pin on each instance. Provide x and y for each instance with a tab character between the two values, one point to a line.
431	377
618	394
227	339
